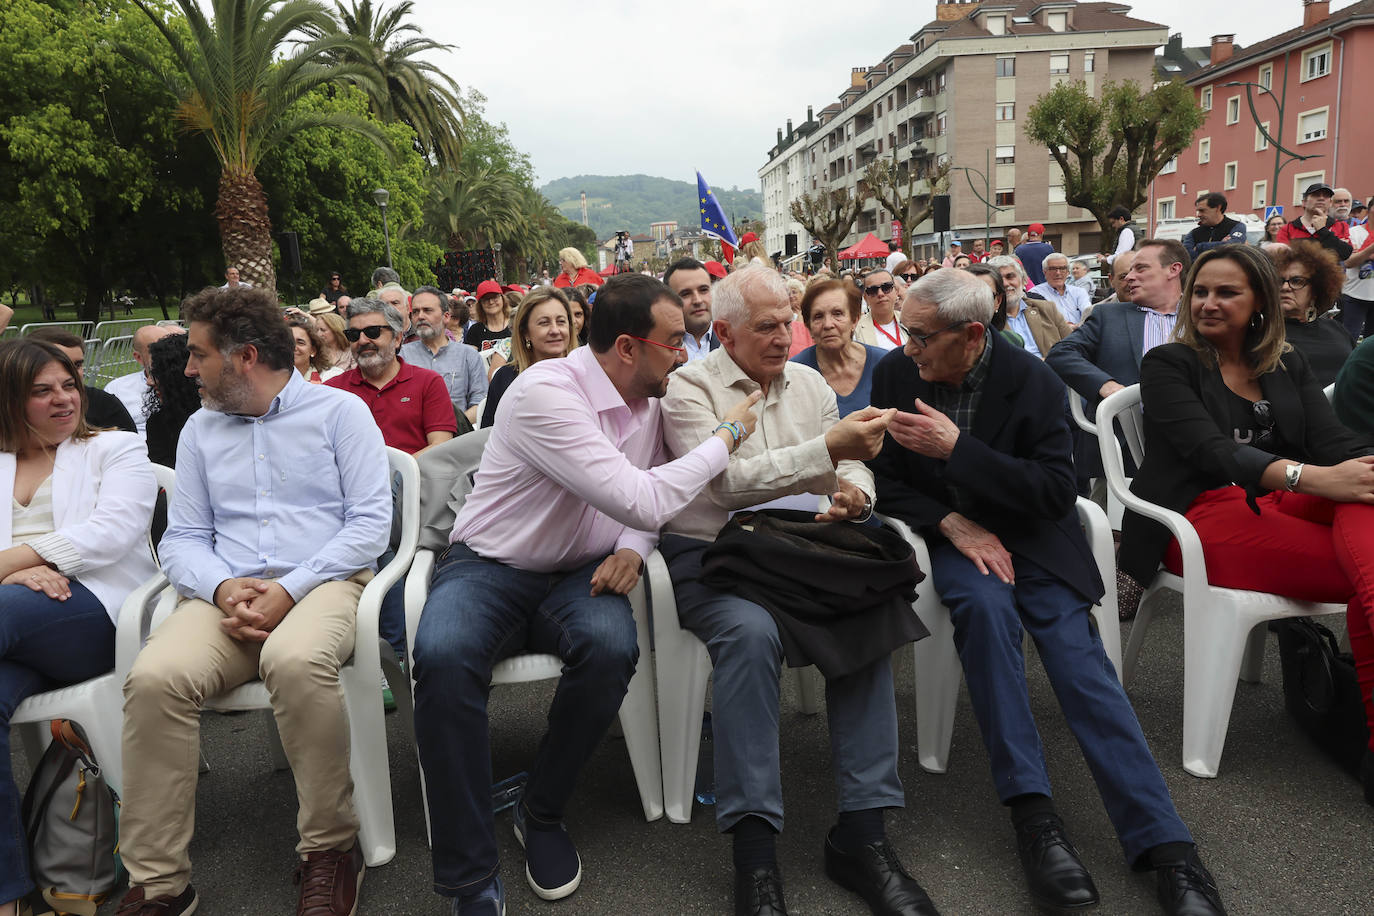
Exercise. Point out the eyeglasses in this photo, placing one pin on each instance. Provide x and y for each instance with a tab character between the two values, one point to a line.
910	278
923	340
372	332
1295	282
1264	416
880	288
657	344
1057	269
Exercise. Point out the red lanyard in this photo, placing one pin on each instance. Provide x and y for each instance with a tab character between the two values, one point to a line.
896	341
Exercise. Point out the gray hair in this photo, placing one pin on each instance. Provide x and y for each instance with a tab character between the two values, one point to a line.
370	306
956	294
443	297
730	297
1051	256
384	275
997	262
396	285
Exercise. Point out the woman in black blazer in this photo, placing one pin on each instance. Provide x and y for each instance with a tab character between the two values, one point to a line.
1240	438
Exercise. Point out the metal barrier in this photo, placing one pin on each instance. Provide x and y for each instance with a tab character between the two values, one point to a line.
121	328
92	364
81	329
116	359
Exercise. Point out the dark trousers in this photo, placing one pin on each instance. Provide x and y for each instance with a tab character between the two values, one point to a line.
988	617
1357	315
44	643
478	613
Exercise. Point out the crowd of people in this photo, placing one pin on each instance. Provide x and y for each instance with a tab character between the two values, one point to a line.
637	414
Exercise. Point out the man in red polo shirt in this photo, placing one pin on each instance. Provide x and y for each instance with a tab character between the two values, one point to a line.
409	403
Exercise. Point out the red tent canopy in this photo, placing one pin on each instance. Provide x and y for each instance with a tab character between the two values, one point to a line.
870	247
608	270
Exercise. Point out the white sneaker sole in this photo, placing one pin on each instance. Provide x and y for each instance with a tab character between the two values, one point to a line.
547	893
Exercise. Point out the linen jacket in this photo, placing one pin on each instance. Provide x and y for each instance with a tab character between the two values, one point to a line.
1046	322
866	333
103	490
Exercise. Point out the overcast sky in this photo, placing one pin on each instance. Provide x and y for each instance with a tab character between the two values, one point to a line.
606	88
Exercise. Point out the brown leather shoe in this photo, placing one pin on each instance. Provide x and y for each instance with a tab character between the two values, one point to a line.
137	903
330	882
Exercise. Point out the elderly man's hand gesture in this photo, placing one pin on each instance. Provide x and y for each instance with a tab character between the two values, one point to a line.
927	432
858	436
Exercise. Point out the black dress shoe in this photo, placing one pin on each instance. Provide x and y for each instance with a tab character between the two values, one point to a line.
1367	776
759	893
1187	889
1055	874
875	875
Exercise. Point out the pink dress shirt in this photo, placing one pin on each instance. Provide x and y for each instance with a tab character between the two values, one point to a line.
572	472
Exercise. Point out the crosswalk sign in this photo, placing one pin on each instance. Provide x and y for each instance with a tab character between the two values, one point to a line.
1270	212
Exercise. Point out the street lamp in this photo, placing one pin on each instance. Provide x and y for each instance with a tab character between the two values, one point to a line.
987	191
497	246
381	196
1279	150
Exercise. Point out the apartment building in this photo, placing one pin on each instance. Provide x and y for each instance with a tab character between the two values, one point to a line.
959	89
1318	75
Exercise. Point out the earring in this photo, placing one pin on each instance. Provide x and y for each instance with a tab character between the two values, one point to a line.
528	345
1257	320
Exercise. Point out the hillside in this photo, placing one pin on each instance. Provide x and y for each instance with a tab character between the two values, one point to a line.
634	201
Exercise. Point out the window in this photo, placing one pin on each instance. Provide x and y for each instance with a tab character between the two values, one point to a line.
1005	199
1057	22
1006	155
1057	194
1006	66
1006	112
1228	181
1259	195
1059	63
1166	208
1312	125
880	145
940	81
939	125
851	165
1261	142
1204	151
1300	183
1170	167
1233	109
1206	101
1266	76
997	25
1316	62
1089	61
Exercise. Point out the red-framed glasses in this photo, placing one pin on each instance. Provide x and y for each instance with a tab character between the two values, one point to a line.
657	344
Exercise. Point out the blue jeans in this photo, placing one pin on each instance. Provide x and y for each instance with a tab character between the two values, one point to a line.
988	618
1357	316
478	613
746	657
44	644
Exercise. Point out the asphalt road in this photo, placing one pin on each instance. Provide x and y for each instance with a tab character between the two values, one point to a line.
1282	829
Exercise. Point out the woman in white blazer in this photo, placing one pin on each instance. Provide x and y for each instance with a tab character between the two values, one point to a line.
73	545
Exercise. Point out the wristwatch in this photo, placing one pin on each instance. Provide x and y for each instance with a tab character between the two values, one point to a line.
1291	475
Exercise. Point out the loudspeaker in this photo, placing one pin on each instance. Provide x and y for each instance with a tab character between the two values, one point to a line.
941	212
290	253
789	244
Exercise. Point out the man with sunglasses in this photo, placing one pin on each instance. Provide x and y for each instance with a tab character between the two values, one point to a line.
978	463
573	486
879	327
410	404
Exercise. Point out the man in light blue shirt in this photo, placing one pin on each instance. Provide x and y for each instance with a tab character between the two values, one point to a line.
281	506
1072	300
462	368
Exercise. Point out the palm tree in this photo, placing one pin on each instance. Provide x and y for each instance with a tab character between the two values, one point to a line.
473	208
237	88
402	87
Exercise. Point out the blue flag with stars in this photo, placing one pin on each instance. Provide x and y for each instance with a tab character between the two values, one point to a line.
713	221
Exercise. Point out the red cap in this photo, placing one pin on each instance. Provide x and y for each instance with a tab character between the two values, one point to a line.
488	288
748	237
715	269
1037	228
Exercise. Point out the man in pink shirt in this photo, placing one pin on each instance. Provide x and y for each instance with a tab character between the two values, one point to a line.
573	487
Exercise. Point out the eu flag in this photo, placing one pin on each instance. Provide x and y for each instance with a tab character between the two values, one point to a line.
713	221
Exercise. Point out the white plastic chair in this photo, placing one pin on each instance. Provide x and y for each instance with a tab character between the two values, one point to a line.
638	712
1223	632
360	677
938	669
97	705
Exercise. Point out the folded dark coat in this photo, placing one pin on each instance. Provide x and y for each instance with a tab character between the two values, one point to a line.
840	594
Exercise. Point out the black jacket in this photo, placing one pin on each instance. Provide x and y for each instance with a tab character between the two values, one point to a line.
1187	450
1016	468
105	411
840	594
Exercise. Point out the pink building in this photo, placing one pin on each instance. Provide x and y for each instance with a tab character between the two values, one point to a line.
1321	73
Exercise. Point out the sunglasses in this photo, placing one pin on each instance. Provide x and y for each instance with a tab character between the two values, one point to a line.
910	278
1264	416
880	288
372	332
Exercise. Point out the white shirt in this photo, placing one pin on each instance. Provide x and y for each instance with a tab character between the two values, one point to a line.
130	390
1071	303
695	348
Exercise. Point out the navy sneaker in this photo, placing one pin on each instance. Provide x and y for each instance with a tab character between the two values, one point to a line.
489	901
552	866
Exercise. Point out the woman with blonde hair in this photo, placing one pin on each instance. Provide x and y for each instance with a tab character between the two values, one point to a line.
543	329
336	349
801	333
574	270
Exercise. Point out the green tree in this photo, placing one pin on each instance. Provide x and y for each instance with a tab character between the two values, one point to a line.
829	214
235	85
320	184
1111	148
400	85
906	193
